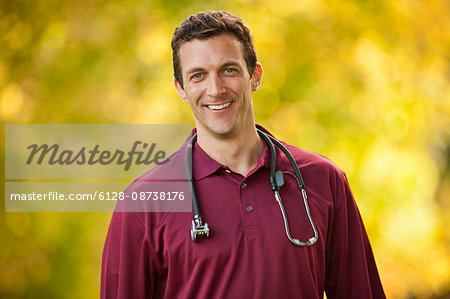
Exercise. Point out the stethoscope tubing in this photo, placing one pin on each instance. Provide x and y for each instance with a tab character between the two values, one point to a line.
276	181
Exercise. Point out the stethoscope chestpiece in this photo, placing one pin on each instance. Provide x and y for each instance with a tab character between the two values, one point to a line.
198	230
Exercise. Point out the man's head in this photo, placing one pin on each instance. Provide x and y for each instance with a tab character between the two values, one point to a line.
216	72
210	24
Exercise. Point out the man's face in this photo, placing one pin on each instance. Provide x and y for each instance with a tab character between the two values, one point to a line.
217	84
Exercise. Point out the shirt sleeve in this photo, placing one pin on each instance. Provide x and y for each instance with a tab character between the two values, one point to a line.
351	270
125	262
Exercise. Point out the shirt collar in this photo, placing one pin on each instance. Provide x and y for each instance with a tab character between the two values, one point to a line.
205	165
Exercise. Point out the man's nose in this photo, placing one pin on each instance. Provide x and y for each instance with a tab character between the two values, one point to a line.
215	86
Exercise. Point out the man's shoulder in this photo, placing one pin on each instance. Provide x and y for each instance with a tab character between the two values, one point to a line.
162	188
312	161
172	169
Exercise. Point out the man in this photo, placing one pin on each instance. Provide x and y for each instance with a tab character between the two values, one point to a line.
247	255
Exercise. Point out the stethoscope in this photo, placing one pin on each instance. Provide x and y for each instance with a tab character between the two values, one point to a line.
198	229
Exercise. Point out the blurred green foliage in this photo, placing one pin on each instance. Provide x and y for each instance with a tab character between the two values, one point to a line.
364	83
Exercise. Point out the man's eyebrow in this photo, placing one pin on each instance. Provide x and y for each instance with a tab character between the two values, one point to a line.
194	69
230	63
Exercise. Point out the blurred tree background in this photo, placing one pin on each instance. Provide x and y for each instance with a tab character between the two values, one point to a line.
364	83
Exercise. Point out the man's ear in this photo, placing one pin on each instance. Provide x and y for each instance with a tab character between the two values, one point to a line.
180	90
257	76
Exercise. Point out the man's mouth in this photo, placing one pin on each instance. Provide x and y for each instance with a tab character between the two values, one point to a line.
219	107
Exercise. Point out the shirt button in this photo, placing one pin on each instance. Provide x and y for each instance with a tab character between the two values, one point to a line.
243	185
227	171
249	208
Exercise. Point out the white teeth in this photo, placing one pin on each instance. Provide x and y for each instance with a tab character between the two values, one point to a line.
219	107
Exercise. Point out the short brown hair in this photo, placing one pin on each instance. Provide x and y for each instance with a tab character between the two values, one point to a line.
207	24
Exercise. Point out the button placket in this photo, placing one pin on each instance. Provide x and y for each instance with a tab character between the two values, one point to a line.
249	217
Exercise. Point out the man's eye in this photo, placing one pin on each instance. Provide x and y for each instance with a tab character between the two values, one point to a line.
229	70
197	76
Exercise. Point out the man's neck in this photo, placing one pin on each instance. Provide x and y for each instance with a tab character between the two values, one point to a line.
240	153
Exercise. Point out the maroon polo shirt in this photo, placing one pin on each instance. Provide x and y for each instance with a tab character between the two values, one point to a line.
151	255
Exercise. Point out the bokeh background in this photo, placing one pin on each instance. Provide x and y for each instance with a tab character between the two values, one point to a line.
365	83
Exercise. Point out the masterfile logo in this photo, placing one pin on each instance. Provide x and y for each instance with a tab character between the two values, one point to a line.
53	155
88	167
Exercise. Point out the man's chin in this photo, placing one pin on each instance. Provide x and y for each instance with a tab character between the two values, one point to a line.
222	131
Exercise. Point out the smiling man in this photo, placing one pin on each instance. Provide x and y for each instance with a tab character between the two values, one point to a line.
219	90
266	238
